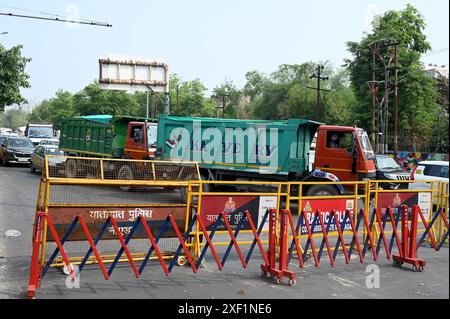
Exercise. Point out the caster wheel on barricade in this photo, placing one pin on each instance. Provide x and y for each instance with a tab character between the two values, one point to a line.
418	268
66	270
181	261
279	281
308	256
263	273
292	282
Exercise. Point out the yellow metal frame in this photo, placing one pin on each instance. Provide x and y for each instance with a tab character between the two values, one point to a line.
435	194
194	201
43	201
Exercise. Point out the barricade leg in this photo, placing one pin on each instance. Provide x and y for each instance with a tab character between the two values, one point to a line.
409	241
271	251
282	270
340	239
325	240
310	239
35	268
369	238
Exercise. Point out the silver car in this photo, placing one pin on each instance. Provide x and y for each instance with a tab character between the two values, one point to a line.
38	156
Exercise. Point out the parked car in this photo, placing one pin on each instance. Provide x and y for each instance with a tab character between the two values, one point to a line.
50	141
37	158
429	171
16	150
3	138
388	169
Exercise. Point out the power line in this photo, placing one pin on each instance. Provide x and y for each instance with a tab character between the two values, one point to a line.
435	52
57	19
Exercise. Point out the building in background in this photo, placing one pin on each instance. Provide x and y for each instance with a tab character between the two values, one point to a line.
434	71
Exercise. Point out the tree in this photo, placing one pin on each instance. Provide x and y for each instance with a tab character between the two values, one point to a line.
12	76
440	131
93	100
13	119
416	96
190	99
236	103
54	110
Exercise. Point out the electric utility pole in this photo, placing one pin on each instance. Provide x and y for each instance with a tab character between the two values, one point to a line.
319	77
379	49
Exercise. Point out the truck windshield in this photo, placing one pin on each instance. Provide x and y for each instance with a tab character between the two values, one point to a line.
40	132
151	134
365	144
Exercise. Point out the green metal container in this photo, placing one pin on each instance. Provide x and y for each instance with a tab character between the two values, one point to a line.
291	141
96	135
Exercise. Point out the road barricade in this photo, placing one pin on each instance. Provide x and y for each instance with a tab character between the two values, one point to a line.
208	218
38	271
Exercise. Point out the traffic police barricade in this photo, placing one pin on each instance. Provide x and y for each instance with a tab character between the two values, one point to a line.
208	214
38	271
442	203
208	199
353	196
427	194
97	189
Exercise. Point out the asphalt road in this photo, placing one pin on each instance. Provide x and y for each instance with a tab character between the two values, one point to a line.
18	194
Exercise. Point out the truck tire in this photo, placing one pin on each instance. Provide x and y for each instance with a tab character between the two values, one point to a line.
125	173
5	161
322	190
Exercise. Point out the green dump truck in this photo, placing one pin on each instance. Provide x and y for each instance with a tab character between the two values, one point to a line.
107	136
256	150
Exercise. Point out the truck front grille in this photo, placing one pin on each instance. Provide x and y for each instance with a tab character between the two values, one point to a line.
403	177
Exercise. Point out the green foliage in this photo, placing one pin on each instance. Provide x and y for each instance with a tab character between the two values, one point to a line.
285	94
190	100
93	100
54	110
13	119
12	76
416	95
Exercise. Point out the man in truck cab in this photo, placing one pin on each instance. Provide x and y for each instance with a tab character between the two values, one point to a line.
137	135
334	140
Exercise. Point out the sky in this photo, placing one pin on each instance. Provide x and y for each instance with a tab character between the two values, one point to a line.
210	40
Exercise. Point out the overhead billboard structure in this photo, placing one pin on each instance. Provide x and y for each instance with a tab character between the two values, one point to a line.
126	74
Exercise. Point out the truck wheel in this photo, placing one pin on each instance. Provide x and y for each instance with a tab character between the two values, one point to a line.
5	161
32	169
125	173
71	168
322	190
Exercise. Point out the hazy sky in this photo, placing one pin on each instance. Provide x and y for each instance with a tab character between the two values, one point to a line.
210	40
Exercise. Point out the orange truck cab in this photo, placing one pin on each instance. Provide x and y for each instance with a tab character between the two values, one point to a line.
345	152
140	140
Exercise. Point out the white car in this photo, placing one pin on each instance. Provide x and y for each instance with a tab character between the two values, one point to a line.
429	171
50	141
